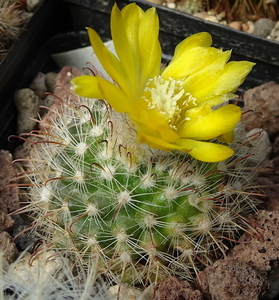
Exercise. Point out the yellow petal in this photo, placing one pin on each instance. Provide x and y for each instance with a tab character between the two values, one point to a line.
99	88
227	137
205	85
232	77
109	62
216	100
197	112
131	16
158	143
203	151
150	52
212	125
135	36
123	46
152	123
195	60
142	30
207	152
201	39
211	70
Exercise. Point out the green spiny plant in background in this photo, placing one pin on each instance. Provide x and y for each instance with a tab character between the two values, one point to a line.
11	20
142	185
47	276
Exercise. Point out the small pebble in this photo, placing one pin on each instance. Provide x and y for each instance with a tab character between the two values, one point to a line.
244	27
171	5
223	22
48	101
211	12
156	1
251	27
260	140
31	5
201	15
50	81
274	35
221	15
126	292
263	27
235	25
40	266
38	85
212	19
27	106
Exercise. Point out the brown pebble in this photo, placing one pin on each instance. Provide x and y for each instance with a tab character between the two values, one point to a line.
245	27
235	25
231	279
173	289
201	15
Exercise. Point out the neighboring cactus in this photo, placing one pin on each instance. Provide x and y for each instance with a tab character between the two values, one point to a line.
135	213
47	277
11	21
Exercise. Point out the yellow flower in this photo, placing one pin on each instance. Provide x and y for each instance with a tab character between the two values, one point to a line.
171	108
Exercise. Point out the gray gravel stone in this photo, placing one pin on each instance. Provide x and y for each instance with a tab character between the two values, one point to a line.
27	106
274	35
263	27
50	83
38	85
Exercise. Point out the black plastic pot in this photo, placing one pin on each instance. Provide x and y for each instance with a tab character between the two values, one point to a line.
17	69
59	25
175	26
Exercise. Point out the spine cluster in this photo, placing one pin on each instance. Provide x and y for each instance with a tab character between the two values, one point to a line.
134	213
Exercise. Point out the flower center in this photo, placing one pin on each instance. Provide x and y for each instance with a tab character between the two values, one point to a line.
168	97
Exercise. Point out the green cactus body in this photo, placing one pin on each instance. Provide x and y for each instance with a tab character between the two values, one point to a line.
134	212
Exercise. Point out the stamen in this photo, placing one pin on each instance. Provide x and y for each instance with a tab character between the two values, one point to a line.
169	98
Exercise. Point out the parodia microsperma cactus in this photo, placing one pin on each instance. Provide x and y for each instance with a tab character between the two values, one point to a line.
135	212
106	188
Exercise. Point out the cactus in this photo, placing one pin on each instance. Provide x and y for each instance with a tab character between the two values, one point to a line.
135	213
48	277
11	21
